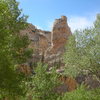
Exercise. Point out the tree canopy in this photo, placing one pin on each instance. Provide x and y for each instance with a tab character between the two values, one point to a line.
83	51
12	47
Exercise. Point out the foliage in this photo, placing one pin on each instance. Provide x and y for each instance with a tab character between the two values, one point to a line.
12	48
43	84
82	55
81	94
83	51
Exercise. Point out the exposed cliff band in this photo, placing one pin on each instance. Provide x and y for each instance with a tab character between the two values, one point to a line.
48	46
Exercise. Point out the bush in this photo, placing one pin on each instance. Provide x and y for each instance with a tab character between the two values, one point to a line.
81	94
43	83
83	51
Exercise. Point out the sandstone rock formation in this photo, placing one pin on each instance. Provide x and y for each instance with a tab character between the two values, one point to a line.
60	32
68	84
59	36
48	46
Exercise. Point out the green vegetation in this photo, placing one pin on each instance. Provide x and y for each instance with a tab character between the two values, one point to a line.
43	84
82	56
83	51
11	22
81	94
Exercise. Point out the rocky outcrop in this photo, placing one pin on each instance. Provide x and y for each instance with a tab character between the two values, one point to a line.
60	32
48	46
59	37
91	81
68	84
40	40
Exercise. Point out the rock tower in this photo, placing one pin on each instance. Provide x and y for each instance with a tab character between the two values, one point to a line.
48	46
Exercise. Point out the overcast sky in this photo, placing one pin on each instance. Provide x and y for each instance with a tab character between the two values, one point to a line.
42	13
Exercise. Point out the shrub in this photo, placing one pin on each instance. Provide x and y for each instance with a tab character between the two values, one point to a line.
81	94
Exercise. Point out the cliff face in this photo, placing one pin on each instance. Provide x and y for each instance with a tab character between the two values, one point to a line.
59	37
48	46
60	32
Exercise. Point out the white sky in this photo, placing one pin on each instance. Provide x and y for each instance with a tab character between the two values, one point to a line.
78	22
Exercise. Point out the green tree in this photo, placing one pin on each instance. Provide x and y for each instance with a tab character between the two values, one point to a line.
43	84
13	48
83	51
